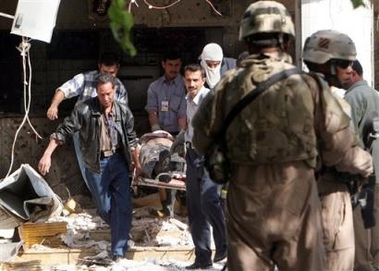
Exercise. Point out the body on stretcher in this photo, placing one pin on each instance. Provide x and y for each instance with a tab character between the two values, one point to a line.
160	168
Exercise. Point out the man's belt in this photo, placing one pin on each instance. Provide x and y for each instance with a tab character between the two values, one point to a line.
109	153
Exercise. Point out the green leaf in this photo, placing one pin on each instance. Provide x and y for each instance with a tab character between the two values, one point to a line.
358	3
121	24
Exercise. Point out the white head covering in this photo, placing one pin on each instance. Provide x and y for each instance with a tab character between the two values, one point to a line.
212	52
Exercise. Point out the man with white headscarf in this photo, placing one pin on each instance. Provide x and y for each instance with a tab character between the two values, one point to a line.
214	63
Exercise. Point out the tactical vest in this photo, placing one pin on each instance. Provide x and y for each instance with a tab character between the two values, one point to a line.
278	126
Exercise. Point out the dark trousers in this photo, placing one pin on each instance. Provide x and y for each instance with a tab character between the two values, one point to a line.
110	190
204	210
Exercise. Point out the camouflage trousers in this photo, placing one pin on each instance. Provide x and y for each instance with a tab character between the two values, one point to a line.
273	219
337	223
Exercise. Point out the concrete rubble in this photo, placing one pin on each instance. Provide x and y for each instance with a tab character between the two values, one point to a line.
147	231
28	204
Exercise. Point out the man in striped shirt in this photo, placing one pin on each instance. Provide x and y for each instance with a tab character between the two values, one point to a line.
83	86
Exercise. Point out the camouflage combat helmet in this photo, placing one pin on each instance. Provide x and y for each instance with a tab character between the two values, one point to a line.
325	45
266	17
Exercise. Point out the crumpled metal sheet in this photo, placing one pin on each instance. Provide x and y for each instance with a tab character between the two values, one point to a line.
28	197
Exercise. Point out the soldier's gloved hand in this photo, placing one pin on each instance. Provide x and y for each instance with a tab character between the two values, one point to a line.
178	144
367	166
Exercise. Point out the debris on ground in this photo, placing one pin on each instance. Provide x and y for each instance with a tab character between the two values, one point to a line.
86	230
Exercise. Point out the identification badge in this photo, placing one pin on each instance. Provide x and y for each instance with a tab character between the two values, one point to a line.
164	106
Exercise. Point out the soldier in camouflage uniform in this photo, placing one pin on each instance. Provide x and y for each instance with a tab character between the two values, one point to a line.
273	208
330	55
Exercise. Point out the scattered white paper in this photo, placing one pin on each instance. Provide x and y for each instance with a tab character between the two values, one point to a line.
9	251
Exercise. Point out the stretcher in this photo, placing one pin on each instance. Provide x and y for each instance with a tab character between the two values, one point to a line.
174	183
160	168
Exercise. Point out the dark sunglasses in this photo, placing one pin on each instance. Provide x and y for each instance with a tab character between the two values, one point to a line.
343	64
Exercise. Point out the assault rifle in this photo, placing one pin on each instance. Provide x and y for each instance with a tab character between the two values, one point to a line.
362	195
370	133
365	198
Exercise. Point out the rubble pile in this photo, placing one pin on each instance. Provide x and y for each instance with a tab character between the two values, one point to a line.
147	231
34	220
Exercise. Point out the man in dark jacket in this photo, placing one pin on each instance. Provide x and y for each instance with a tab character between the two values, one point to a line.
108	145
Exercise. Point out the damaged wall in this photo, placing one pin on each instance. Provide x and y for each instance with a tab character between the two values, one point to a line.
79	37
74	15
64	177
28	149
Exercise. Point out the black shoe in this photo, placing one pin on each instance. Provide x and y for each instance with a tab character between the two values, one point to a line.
199	266
220	256
117	258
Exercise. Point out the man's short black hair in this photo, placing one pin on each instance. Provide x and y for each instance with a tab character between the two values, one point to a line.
109	59
194	67
357	67
172	55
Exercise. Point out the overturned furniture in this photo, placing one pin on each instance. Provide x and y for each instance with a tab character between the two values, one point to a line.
160	168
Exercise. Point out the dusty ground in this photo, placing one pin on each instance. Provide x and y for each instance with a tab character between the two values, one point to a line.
87	230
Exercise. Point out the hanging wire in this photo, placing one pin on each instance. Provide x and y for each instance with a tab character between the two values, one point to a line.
24	48
150	6
213	7
161	7
130	5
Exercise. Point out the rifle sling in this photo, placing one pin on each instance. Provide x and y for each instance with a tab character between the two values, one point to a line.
252	95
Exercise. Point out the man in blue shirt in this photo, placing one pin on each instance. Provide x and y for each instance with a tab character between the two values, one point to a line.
166	104
166	107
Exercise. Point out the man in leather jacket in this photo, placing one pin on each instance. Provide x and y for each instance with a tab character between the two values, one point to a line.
83	86
108	145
